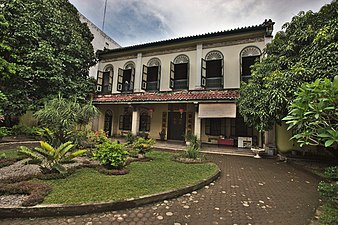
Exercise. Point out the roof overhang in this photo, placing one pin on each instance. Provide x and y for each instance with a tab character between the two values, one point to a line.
184	42
168	97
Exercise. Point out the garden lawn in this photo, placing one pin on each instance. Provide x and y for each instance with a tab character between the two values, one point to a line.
162	174
11	153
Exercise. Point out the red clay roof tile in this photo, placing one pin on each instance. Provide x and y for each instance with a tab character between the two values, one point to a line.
183	96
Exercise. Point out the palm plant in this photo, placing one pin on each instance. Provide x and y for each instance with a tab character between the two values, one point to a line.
51	158
62	116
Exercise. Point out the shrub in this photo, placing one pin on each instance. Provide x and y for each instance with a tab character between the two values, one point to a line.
4	131
111	154
24	130
51	158
130	138
143	146
328	216
193	148
328	191
97	137
331	172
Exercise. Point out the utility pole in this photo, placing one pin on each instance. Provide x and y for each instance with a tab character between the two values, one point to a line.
104	14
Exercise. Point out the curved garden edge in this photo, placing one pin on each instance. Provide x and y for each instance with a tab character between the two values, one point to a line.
80	209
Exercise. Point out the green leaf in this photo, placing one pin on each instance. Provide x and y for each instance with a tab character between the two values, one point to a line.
324	135
328	143
77	153
47	147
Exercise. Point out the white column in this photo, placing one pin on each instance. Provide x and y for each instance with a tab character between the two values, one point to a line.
135	122
138	73
197	127
199	55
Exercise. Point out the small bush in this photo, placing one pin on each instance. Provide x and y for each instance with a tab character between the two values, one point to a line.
329	191
97	137
111	154
4	131
24	130
130	138
331	172
143	146
328	216
193	148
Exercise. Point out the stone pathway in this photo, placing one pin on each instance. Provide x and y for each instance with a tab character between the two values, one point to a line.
249	191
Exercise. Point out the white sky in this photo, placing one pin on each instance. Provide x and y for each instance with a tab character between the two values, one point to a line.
131	22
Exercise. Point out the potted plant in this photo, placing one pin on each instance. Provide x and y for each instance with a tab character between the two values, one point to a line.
162	135
188	137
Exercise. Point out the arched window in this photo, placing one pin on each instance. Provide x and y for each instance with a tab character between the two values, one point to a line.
126	77
105	80
212	70
108	119
144	122
179	70
249	55
126	119
151	75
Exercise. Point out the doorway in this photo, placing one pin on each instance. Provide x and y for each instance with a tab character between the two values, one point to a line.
176	126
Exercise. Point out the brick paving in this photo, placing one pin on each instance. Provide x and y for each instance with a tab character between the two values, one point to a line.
249	191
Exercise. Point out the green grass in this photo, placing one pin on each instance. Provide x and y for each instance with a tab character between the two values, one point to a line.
11	153
144	178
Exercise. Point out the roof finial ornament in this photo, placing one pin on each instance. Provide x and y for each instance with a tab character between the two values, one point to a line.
268	27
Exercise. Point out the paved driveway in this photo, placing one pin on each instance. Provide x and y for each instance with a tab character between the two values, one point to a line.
249	191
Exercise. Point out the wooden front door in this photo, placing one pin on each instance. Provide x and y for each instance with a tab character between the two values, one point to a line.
176	126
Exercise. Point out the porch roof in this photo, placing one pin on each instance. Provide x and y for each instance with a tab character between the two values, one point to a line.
167	97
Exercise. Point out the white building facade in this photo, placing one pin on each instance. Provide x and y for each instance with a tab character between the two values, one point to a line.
181	86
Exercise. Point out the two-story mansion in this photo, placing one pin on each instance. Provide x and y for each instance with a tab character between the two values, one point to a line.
181	85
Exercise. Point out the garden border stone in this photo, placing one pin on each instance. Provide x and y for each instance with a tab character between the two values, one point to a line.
80	209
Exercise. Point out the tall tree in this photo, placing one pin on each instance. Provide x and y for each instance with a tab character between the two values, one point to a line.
314	114
50	49
306	50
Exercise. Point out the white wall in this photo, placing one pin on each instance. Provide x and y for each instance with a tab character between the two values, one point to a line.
231	66
100	41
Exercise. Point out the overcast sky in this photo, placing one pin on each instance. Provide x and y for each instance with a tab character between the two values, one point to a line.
131	22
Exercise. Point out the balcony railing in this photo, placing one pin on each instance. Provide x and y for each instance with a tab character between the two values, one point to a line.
181	84
214	82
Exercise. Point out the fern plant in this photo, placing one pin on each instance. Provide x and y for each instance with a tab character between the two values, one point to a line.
51	158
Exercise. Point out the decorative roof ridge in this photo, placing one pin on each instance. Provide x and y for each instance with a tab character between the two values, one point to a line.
264	25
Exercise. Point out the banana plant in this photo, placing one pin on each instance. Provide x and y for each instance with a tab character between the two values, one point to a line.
51	158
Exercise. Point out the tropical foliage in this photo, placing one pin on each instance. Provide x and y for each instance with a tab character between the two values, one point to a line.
45	50
193	148
313	115
61	116
111	154
143	146
305	51
4	131
51	158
